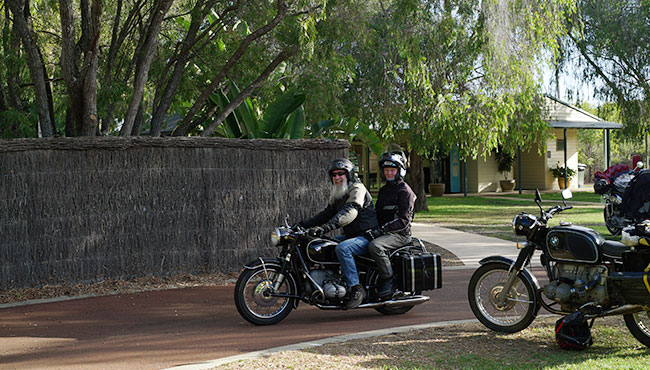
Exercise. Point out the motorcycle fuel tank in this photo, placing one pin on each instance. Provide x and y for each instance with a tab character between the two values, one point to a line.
574	244
322	251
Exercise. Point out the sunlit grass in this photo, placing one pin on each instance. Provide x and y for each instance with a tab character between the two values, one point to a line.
493	216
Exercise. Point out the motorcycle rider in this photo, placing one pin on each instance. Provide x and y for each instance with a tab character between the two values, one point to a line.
349	207
394	207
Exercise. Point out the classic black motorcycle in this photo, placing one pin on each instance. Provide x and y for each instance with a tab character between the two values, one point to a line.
586	273
612	193
308	270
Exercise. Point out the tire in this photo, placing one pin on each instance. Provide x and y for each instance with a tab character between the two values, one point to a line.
252	297
612	229
484	285
373	277
393	310
639	325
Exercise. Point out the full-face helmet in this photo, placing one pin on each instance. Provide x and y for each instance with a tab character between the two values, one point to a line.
342	164
394	159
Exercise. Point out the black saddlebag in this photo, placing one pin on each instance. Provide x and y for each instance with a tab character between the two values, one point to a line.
632	287
418	271
637	260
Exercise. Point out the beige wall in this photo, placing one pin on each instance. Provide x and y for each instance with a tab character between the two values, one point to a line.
482	175
558	156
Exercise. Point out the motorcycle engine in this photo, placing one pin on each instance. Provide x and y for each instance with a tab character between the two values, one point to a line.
330	282
577	283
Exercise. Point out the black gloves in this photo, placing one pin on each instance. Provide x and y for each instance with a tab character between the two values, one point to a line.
374	233
319	230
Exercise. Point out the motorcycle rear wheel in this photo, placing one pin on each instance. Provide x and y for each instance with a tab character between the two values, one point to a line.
639	325
611	228
520	309
253	299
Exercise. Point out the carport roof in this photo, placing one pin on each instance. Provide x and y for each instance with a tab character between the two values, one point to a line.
561	114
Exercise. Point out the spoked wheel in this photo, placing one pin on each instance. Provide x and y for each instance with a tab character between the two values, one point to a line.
608	221
254	300
639	325
520	307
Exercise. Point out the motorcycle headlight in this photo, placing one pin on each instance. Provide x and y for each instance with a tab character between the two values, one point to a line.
275	237
523	223
278	234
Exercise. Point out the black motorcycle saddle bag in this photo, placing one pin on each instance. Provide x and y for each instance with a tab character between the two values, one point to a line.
416	272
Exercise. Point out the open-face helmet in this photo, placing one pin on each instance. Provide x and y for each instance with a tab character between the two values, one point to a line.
342	164
394	159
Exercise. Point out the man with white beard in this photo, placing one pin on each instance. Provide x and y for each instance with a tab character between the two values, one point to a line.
349	207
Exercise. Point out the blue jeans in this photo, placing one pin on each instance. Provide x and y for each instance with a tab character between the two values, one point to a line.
345	251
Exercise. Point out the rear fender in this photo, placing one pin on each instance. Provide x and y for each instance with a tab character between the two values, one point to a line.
510	263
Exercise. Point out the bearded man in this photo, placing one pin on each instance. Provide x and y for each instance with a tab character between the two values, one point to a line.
349	207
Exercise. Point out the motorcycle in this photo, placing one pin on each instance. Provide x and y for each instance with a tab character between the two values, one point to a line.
307	269
586	273
612	192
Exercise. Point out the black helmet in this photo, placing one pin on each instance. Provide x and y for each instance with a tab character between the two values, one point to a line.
573	332
395	159
342	164
523	224
601	186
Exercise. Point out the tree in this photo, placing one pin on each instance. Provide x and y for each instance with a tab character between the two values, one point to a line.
611	38
453	75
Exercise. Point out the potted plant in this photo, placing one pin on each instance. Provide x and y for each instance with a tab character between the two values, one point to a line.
559	173
437	185
505	160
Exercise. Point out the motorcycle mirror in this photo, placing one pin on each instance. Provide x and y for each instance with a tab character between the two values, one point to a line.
286	221
566	194
639	165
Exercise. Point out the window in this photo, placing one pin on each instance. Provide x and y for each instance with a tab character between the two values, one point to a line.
559	145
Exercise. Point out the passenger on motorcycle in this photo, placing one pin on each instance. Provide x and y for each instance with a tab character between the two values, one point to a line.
395	204
349	207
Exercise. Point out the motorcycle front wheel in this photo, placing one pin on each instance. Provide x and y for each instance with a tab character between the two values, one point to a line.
639	325
608	222
520	307
253	297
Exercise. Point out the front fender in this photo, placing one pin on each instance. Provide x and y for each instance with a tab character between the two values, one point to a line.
258	262
509	262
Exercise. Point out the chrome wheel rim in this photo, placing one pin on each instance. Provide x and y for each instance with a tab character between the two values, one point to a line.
257	295
517	305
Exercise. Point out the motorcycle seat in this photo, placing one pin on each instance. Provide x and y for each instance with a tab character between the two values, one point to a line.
614	249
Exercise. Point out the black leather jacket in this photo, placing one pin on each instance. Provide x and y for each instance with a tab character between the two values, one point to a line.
354	212
395	205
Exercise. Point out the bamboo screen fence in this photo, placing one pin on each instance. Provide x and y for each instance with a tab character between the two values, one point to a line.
80	210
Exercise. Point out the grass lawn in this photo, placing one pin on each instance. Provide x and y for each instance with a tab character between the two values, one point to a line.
578	196
493	216
468	346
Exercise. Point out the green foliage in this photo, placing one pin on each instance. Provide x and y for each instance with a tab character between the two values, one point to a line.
561	171
283	118
611	38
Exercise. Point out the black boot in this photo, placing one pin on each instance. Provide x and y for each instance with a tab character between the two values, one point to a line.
357	294
386	287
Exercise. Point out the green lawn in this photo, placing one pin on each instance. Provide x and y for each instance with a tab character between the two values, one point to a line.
493	216
582	196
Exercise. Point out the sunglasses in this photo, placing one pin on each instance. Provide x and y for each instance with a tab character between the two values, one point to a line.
338	173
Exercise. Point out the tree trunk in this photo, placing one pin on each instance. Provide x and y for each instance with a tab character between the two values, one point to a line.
81	81
417	181
186	125
180	62
149	44
35	64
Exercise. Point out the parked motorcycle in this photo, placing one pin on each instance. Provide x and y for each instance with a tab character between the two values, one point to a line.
612	192
586	273
308	270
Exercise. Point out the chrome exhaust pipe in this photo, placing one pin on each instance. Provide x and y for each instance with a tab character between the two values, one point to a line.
408	301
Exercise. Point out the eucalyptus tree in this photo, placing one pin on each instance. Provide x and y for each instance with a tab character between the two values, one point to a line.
611	36
454	75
